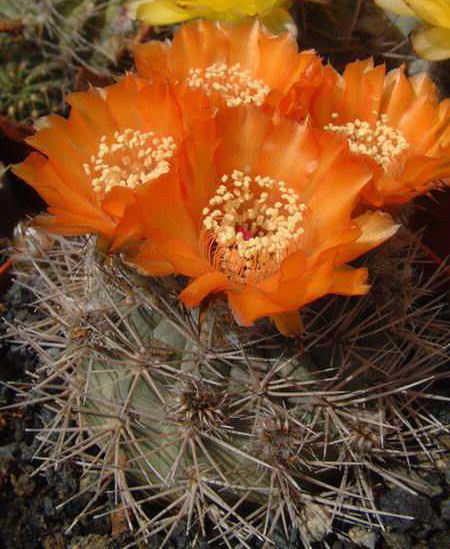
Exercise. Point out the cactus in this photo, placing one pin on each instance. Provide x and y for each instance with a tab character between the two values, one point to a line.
45	45
239	435
185	420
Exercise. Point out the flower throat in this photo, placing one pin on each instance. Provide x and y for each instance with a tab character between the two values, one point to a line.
250	225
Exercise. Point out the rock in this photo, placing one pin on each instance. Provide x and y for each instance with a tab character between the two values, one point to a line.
433	481
343	544
440	540
401	502
54	542
23	485
48	507
119	522
363	537
7	452
316	521
445	509
426	483
397	540
90	542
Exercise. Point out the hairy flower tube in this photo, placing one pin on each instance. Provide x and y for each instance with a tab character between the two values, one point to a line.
268	222
394	121
432	41
234	64
115	142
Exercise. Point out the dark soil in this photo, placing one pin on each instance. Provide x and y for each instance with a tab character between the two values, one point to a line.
29	516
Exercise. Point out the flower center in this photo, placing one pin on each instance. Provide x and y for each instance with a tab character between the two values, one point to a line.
132	159
236	86
251	224
382	142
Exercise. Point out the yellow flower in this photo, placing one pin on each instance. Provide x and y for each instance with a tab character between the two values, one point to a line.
431	41
273	13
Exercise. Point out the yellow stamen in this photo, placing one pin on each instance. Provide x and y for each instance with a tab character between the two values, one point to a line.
132	159
382	142
236	86
251	224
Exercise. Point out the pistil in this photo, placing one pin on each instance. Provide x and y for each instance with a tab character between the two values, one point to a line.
251	224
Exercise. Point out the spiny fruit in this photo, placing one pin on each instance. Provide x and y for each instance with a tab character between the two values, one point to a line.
239	435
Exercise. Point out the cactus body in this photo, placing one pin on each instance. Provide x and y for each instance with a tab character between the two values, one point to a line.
239	435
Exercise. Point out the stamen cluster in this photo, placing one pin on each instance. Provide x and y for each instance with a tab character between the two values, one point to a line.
253	223
134	158
382	142
235	85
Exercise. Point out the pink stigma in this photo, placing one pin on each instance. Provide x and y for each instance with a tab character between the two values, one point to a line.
246	233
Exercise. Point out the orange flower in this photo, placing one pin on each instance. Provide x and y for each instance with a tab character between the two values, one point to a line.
234	64
395	121
115	142
267	218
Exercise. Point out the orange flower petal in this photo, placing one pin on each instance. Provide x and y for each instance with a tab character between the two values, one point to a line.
297	103
249	304
398	95
241	148
151	58
184	258
66	159
197	165
152	100
65	219
325	101
253	147
423	85
92	107
199	45
164	211
293	265
274	60
289	324
47	222
117	201
151	261
91	113
348	281
376	228
211	282
335	189
420	174
415	124
308	286
363	90
40	174
407	109
121	101
73	179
